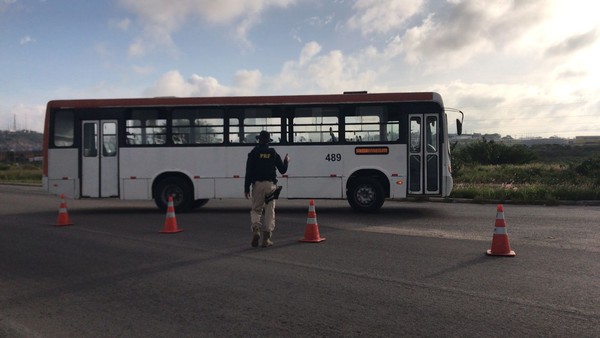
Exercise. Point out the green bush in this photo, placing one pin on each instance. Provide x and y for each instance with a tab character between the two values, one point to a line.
17	173
590	168
531	183
490	152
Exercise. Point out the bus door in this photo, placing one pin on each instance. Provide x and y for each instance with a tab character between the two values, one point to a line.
99	159
424	155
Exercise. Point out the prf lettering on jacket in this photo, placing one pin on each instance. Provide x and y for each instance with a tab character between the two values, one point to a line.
264	156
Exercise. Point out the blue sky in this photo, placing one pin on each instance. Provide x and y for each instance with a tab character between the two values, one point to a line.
519	68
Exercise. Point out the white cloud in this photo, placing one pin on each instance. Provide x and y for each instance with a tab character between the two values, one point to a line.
173	83
574	43
26	40
137	48
161	18
463	30
309	51
523	110
247	82
332	72
383	16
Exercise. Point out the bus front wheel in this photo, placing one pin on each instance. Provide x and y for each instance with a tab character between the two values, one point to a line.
366	194
177	188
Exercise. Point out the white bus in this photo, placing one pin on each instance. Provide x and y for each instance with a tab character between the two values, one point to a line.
358	146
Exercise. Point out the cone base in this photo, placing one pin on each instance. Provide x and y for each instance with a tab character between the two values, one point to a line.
317	240
170	231
63	225
507	254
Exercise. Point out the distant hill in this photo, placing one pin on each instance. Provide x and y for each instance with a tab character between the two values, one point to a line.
20	141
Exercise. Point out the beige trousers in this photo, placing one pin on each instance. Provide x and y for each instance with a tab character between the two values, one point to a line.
260	190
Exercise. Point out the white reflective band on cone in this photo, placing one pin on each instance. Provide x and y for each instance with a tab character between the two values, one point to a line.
500	231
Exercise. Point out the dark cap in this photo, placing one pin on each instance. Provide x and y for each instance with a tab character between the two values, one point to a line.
264	137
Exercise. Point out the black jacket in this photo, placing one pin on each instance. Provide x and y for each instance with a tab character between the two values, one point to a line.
261	164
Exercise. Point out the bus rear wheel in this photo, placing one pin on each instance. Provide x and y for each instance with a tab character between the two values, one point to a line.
366	194
177	188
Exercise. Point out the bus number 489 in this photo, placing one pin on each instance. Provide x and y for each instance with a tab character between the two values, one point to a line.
333	157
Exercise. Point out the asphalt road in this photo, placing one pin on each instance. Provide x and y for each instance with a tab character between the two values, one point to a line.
413	269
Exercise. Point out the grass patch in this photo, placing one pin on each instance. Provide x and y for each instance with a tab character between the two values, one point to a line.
528	183
21	173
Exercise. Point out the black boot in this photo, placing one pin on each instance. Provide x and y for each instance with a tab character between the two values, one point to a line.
266	239
255	238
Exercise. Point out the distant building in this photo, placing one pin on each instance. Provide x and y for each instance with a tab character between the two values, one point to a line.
551	140
508	140
586	140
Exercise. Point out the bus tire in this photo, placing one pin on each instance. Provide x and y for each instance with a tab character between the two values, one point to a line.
366	194
183	195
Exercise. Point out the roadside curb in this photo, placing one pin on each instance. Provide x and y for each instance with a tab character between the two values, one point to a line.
513	202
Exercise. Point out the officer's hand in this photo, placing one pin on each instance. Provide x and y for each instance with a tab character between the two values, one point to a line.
287	157
248	195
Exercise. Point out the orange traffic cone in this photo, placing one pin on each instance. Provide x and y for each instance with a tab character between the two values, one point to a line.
500	245
311	234
63	214
170	221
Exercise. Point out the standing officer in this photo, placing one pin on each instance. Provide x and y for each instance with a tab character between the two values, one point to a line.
260	173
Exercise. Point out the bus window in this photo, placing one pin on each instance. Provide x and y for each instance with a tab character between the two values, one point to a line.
392	131
431	134
144	127
367	124
208	130
90	139
198	126
246	124
181	131
155	131
109	139
235	135
63	128
134	132
415	134
316	124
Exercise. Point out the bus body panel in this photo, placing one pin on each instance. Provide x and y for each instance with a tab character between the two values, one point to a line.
134	188
63	172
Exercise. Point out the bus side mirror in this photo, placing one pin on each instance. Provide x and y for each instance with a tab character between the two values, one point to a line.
458	127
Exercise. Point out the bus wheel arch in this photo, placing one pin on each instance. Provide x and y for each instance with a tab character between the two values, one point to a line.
200	203
174	184
367	189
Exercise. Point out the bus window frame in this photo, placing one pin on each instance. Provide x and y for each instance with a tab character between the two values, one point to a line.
241	114
196	113
160	114
69	122
293	114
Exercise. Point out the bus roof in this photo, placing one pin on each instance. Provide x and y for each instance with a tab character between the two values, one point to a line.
352	97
